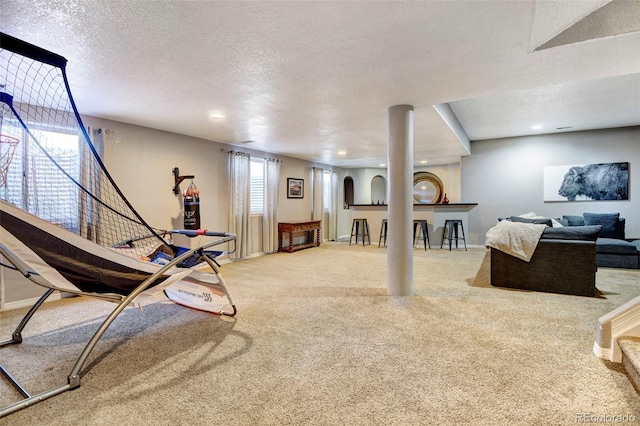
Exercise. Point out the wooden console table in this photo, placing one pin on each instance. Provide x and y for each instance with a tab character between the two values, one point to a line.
306	226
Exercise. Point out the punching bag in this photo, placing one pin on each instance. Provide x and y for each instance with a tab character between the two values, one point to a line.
192	207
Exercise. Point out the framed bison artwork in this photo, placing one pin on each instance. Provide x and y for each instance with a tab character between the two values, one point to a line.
587	182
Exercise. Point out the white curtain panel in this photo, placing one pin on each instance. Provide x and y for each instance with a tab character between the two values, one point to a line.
270	216
332	233
317	208
240	202
89	226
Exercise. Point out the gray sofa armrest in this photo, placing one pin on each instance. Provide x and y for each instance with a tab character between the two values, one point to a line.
557	266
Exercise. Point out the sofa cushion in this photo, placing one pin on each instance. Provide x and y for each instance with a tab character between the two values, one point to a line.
544	221
582	233
614	245
609	221
574	220
617	260
563	222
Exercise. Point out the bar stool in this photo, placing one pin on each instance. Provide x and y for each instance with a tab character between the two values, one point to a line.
383	233
451	230
361	228
420	225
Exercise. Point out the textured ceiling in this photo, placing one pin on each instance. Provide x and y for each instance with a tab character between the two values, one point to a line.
309	79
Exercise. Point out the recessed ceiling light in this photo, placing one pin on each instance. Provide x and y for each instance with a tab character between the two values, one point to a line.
536	127
342	152
381	165
423	161
217	115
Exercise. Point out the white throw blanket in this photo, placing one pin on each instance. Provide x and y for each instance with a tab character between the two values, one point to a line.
515	238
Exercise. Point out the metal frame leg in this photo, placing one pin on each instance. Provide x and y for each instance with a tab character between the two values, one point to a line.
16	337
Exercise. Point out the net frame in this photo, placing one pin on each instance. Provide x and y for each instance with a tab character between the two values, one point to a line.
35	99
8	145
35	95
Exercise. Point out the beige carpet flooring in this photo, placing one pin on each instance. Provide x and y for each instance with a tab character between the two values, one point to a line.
317	341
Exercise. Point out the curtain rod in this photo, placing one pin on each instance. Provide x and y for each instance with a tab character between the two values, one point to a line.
238	153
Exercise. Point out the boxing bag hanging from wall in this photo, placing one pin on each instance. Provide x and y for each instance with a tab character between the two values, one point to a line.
192	207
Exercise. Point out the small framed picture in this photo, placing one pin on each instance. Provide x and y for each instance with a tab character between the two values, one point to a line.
295	188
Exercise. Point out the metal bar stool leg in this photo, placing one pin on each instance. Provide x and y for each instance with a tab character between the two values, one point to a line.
450	232
426	234
425	238
360	228
365	232
455	233
464	238
383	233
446	232
354	225
420	231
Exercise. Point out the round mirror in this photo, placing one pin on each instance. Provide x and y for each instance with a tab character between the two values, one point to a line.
427	188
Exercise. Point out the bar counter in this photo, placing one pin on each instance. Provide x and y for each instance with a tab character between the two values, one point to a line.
434	214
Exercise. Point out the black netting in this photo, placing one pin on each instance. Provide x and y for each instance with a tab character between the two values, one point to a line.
49	166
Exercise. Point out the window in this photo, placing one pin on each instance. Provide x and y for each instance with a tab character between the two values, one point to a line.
326	190
34	183
257	186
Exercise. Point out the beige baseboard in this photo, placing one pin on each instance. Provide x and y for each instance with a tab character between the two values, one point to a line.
25	303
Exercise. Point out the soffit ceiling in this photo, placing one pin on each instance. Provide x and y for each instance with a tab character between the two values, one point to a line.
310	79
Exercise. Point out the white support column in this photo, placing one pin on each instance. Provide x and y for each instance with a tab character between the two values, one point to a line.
400	209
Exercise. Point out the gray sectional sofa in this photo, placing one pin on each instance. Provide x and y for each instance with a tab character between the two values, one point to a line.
566	258
613	250
564	262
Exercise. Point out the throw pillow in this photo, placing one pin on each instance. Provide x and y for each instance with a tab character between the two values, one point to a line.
530	215
526	220
583	233
608	221
563	222
556	224
574	220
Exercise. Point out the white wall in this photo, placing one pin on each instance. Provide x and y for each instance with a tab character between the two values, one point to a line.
141	161
505	176
449	174
344	215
